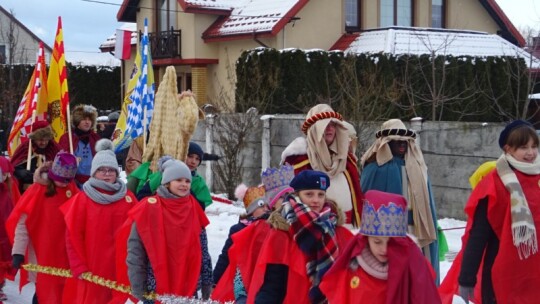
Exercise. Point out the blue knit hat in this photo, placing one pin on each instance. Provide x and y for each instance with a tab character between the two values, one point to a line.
509	128
195	149
310	179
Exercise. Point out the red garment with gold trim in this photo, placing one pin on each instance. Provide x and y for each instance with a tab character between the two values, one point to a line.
514	280
243	254
280	248
169	228
410	280
91	232
46	232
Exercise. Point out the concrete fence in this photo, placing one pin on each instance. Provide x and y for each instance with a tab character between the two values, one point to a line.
452	151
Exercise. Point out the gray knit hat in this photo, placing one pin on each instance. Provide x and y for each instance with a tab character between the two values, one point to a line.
104	157
174	169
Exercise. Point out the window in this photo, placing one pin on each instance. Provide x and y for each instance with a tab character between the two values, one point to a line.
3	54
166	15
437	13
352	15
396	13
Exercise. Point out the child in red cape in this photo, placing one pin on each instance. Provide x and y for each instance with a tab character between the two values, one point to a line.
9	195
37	228
304	241
93	217
246	238
501	237
164	237
381	265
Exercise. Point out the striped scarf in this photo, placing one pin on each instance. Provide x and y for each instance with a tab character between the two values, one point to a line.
315	235
523	229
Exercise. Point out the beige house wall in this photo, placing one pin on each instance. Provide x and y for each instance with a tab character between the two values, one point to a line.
469	15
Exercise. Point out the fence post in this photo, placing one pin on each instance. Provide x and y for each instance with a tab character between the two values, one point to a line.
265	142
416	126
209	148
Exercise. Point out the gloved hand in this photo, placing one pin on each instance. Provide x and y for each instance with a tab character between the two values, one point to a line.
139	294
206	291
18	259
466	293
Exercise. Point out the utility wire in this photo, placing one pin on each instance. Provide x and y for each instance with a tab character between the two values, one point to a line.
182	12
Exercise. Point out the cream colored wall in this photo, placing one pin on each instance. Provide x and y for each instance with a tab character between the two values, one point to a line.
471	15
370	14
320	26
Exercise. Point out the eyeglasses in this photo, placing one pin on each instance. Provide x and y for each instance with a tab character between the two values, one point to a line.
106	171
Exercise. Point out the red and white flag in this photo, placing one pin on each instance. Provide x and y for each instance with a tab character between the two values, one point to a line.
122	48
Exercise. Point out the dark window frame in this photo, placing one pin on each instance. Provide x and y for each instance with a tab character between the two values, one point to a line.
443	13
395	13
351	29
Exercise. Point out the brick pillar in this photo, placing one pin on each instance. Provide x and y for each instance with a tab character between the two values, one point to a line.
199	84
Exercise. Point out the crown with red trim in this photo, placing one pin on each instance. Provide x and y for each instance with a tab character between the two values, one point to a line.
319	116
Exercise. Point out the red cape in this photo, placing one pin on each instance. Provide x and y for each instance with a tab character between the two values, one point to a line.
91	233
46	232
410	280
21	153
280	248
175	257
243	254
301	163
514	280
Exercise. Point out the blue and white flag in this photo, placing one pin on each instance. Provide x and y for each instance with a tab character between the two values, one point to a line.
141	98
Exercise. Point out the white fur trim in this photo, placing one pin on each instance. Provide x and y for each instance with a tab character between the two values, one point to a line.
297	147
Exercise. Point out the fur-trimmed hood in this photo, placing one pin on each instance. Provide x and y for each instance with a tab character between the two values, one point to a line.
297	147
81	112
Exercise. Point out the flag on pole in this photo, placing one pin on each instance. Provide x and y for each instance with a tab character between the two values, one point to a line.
34	98
122	48
141	98
57	85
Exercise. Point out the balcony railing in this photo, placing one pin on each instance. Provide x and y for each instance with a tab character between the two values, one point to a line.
166	44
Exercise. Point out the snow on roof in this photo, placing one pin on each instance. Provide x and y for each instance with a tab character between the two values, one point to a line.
402	40
213	4
251	16
109	44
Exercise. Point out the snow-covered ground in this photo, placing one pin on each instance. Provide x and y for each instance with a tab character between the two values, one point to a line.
222	217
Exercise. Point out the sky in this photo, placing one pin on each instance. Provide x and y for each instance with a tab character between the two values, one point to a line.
87	24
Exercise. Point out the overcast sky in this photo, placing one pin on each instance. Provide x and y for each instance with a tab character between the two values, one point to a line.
87	24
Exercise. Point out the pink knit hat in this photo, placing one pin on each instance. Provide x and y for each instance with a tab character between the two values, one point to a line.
63	168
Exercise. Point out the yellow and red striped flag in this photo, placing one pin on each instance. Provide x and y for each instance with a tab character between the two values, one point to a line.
34	98
57	85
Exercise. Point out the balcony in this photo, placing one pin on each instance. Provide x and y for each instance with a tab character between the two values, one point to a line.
166	44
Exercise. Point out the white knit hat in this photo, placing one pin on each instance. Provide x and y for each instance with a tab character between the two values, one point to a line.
174	169
104	157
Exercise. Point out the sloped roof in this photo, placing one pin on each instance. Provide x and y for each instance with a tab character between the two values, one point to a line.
24	28
254	17
219	5
418	41
109	44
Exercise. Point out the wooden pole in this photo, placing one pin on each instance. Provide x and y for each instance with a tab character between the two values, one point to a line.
68	122
29	156
144	130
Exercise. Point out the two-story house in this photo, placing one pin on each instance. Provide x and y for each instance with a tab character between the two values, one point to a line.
18	45
204	38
